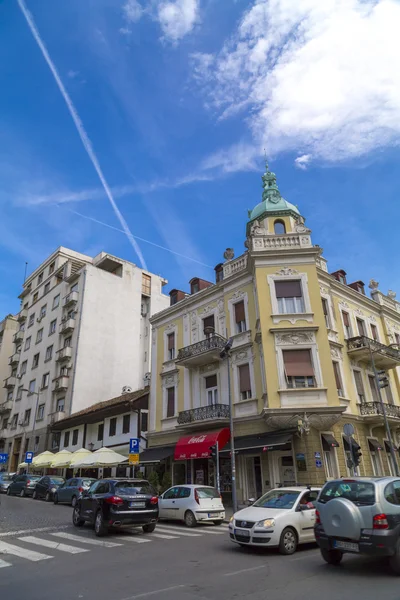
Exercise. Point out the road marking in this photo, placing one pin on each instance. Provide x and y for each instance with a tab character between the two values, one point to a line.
3	564
50	544
177	531
168	589
39	529
199	530
22	552
85	540
136	539
163	537
244	571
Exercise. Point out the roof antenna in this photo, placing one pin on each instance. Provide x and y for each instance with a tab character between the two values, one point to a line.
26	266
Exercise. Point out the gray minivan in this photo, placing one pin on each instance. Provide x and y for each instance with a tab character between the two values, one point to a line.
359	515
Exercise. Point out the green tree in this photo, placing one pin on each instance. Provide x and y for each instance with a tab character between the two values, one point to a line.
154	480
166	481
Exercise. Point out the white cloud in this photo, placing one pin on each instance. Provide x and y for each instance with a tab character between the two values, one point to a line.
175	17
303	161
133	10
239	157
72	74
317	77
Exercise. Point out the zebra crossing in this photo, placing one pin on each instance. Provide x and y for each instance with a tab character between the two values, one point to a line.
26	547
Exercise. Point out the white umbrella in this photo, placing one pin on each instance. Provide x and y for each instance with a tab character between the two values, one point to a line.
61	459
44	459
77	457
104	457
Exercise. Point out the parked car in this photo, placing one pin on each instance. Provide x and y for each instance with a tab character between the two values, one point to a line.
192	504
5	480
117	503
72	489
359	516
47	486
282	518
23	485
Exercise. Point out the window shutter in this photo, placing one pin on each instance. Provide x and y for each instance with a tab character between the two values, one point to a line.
337	376
171	402
359	383
346	320
288	289
298	363
244	378
325	306
211	381
239	312
171	341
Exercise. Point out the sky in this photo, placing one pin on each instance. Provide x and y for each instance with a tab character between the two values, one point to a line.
139	127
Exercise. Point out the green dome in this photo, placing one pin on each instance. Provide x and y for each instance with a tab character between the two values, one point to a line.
272	201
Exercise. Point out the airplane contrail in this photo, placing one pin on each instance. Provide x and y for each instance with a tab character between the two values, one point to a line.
87	144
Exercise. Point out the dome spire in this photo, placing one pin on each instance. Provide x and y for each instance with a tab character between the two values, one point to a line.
271	191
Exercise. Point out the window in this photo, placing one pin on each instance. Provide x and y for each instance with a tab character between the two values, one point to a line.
112	427
27	343
56	301
373	388
39	335
211	389
374	331
46	288
45	380
126	423
60	405
40	278
389	395
67	342
360	327
240	317
338	378
349	456
36	446
144	421
146	284
374	449
66	439
19	393
49	353
55	443
299	369
170	402
14	421
75	434
397	339
100	432
347	327
359	386
325	308
171	346
52	267
289	296
27	417
32	385
219	273
389	457
53	326
35	362
194	287
174	299
35	297
329	459
208	325
244	382
31	319
279	227
40	412
43	311
10	394
23	367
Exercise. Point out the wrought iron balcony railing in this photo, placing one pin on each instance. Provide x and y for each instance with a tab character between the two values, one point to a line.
213	411
368	409
385	357
212	343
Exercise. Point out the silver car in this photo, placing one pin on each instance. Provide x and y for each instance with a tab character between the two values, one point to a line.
72	489
5	480
359	515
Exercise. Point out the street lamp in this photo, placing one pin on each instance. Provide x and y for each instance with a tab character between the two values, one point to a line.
225	354
37	394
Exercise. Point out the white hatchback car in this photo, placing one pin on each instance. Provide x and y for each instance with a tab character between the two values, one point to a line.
192	504
282	518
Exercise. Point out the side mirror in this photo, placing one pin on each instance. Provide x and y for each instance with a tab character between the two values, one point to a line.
251	501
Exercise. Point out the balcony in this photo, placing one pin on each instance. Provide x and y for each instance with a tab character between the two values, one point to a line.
201	353
70	299
23	313
64	354
14	359
67	326
57	416
10	382
385	357
6	407
60	383
18	337
216	413
374	411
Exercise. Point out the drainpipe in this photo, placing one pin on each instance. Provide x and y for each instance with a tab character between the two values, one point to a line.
77	341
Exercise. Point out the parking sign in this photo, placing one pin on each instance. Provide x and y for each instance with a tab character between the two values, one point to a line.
134	446
28	457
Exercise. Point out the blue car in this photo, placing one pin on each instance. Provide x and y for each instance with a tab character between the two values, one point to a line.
5	481
72	489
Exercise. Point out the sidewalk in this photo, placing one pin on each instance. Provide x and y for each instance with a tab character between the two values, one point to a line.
229	511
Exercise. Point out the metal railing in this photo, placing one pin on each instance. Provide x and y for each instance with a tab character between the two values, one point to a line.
213	411
211	343
375	408
362	341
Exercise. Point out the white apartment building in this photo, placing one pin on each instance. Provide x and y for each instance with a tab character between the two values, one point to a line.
8	327
84	334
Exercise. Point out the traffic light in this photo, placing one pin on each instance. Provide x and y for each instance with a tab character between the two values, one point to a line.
214	452
357	456
383	379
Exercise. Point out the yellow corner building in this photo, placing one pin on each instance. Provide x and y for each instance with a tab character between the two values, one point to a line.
305	343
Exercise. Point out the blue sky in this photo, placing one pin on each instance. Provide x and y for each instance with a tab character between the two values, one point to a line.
178	99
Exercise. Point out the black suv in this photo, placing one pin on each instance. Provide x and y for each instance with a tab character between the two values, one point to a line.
117	503
359	515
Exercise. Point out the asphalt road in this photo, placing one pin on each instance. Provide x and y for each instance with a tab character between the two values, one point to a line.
40	561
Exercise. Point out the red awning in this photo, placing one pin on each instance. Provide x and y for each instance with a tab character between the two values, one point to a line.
198	445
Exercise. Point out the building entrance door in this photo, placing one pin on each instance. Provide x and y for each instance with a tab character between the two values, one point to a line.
253	477
287	470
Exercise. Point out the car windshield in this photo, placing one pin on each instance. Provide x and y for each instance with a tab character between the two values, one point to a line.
206	492
5	478
87	482
278	499
57	480
134	487
34	477
361	493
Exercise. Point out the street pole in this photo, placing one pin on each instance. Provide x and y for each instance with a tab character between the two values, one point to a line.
34	420
233	459
388	433
217	468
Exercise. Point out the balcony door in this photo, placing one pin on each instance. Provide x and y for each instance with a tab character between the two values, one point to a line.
211	390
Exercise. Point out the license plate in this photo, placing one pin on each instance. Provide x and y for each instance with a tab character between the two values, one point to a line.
137	504
350	546
213	515
242	532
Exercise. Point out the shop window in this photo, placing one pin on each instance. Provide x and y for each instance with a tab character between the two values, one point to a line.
211	389
240	317
279	227
289	296
171	402
244	382
299	369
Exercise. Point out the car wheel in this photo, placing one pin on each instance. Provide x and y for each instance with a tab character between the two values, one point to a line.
332	557
149	528
100	528
76	518
73	501
55	499
34	495
219	522
288	541
47	497
190	519
8	492
22	493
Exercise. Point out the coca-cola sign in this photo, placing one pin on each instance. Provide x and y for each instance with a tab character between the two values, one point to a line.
197	439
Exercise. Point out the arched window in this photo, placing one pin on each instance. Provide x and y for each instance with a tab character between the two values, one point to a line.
279	227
